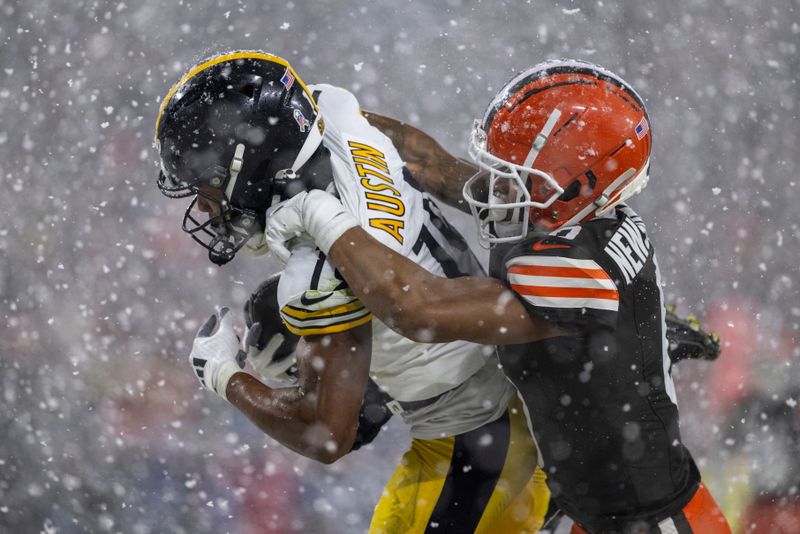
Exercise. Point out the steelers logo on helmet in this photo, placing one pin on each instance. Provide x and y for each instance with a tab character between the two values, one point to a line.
231	132
568	138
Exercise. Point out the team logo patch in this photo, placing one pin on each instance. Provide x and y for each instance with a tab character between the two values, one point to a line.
642	128
287	79
301	120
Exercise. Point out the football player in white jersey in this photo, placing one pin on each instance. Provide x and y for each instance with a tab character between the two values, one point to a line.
242	133
561	147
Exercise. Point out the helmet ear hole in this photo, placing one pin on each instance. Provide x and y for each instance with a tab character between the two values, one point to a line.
571	191
574	188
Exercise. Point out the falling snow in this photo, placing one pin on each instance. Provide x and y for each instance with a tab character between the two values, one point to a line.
104	427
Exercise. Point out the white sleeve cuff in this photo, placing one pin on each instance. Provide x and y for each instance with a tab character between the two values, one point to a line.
224	375
326	219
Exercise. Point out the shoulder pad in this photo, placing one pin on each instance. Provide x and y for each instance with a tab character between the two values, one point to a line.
561	281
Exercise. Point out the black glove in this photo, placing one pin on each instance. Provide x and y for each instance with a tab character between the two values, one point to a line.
269	344
687	340
372	416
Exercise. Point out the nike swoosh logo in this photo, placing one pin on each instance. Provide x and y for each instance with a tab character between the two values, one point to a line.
538	246
310	301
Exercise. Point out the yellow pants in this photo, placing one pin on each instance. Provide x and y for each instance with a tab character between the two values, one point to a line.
483	481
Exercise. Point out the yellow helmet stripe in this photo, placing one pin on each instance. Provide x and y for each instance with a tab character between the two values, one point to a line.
221	59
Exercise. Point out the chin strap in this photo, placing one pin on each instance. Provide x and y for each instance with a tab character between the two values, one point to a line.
235	168
310	146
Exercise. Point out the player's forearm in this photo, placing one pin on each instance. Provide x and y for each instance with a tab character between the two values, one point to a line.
288	415
437	171
390	289
319	417
429	308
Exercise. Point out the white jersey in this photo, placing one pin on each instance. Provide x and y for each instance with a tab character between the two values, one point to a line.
372	183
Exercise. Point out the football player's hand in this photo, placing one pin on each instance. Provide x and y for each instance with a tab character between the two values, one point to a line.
373	415
315	213
272	361
269	345
215	352
284	226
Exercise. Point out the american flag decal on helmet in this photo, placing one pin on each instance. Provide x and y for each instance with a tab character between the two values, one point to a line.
642	128
287	79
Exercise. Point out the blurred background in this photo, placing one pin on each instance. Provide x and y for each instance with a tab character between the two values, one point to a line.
103	425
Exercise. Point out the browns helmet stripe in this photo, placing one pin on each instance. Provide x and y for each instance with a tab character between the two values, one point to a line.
555	67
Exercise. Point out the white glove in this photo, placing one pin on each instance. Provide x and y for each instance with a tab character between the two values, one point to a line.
269	362
316	213
256	245
216	357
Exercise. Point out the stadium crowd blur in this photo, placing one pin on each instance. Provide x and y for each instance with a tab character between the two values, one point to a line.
104	427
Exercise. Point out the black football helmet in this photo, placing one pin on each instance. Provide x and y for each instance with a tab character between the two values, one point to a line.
235	130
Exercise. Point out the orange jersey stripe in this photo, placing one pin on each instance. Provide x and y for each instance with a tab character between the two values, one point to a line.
703	514
567	292
564	272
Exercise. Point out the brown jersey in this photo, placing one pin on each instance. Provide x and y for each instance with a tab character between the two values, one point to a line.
601	400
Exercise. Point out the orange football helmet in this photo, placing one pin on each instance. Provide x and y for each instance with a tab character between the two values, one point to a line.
561	143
